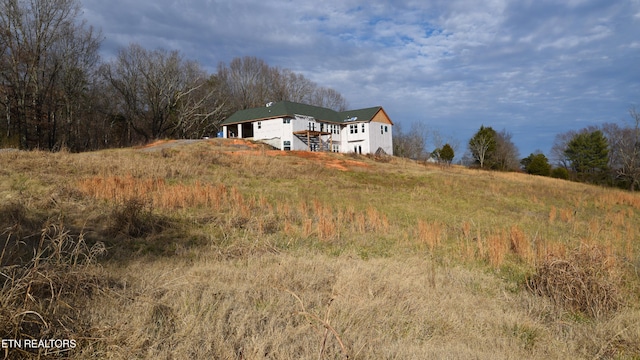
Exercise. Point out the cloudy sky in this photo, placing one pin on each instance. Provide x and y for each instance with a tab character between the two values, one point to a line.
533	67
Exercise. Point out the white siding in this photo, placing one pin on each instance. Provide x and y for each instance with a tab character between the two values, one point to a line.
267	129
354	139
287	134
381	137
280	130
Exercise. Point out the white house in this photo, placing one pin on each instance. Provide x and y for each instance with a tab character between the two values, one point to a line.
293	126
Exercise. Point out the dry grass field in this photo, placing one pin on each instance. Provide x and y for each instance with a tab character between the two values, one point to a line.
222	249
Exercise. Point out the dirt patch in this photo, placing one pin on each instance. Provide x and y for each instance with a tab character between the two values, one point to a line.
159	145
344	165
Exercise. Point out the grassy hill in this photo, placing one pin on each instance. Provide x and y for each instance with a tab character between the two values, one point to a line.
223	249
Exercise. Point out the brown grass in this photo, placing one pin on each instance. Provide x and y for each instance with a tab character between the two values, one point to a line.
430	234
390	260
43	297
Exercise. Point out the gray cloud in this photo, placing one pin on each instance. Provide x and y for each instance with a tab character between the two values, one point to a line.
536	68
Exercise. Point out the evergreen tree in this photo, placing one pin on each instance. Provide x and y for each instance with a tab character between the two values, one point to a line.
536	164
447	154
588	155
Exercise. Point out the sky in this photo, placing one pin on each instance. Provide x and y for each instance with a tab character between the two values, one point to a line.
535	68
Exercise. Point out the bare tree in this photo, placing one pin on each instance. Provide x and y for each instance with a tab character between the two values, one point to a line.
624	145
298	88
46	54
410	144
285	84
249	82
328	98
200	109
506	156
439	141
246	81
160	93
483	144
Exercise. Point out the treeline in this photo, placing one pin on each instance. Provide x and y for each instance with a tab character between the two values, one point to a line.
608	154
56	91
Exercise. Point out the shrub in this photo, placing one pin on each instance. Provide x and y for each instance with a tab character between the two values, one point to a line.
586	282
135	219
560	173
536	164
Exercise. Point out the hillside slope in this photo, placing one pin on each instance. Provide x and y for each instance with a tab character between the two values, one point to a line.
225	249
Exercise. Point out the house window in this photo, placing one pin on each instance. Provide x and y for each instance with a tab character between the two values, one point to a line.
353	128
363	128
286	121
381	130
259	124
336	148
386	128
286	145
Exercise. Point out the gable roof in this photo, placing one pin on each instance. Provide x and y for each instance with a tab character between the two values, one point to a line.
360	114
290	109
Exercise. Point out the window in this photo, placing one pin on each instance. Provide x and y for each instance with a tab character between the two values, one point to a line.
381	130
386	128
363	128
259	124
353	128
286	121
286	145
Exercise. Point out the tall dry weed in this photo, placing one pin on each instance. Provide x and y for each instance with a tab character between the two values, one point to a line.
587	281
430	233
553	213
326	224
567	215
520	245
466	230
498	246
41	298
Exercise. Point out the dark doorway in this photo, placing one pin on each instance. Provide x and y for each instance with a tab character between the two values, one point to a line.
247	130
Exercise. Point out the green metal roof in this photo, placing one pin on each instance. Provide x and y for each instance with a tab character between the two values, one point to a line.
290	109
360	114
